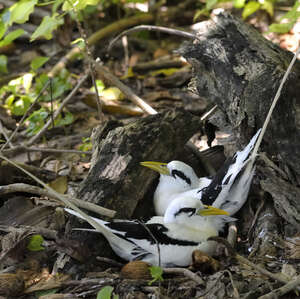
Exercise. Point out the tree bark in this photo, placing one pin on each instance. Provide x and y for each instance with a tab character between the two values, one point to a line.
236	68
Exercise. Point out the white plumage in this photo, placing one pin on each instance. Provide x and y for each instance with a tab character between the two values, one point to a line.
185	227
176	177
227	190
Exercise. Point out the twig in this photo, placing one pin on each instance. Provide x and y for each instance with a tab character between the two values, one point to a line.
22	148
245	261
20	187
126	90
235	290
186	273
2	130
291	285
25	115
57	112
63	198
109	261
153	28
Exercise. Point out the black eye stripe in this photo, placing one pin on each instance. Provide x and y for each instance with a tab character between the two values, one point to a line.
180	174
190	211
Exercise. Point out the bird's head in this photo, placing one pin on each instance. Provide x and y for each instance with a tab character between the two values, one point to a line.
183	209
176	173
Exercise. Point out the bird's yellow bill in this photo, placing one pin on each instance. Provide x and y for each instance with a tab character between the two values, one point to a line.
157	166
210	210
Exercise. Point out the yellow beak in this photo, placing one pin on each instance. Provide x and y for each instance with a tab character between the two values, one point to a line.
210	210
157	166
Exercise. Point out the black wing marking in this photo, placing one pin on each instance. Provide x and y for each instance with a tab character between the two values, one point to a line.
211	192
135	230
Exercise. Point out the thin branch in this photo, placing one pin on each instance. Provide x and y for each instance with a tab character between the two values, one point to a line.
126	90
186	273
61	197
20	187
291	285
153	28
2	131
57	112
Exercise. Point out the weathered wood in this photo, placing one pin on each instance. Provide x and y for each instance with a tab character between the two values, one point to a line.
236	68
116	180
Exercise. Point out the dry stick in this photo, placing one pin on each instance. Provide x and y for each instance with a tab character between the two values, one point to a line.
22	148
153	28
20	187
106	31
283	290
57	112
25	115
5	135
245	261
186	273
64	199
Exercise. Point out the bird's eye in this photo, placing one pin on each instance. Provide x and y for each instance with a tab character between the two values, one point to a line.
189	211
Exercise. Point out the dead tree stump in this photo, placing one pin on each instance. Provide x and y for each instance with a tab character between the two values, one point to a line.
236	68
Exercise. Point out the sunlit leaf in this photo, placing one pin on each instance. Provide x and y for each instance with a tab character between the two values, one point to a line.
293	14
210	4
166	72
78	4
112	94
38	62
281	28
11	37
20	11
100	86
2	29
250	8
105	292
46	28
20	106
239	3
35	243
268	7
3	64
156	273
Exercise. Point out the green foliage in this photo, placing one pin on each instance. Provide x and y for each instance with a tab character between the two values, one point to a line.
3	64
36	121
106	293
20	11
250	8
10	37
37	62
290	17
35	243
156	273
86	144
46	28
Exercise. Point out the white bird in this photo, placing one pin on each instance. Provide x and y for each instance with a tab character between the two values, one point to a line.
227	190
186	226
176	177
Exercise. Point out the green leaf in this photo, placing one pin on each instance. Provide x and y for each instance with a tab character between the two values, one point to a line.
156	273
3	64
65	120
38	62
293	14
239	3
105	292
250	8
268	7
281	28
11	37
78	4
210	4
20	11
46	28
35	243
2	28
36	121
20	106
